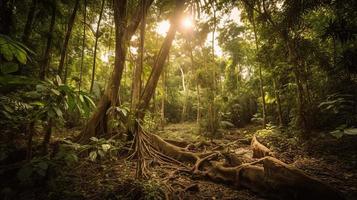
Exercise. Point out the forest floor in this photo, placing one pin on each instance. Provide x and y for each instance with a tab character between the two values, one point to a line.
332	161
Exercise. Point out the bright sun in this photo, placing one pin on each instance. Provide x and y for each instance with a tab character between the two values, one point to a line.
162	27
187	23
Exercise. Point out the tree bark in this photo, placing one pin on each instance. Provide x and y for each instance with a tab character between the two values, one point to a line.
46	59
97	124
97	35
67	37
29	21
161	58
136	85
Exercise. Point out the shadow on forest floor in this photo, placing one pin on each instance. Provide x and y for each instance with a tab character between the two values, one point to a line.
331	160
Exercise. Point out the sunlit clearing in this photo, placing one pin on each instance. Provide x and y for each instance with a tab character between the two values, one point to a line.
162	27
187	23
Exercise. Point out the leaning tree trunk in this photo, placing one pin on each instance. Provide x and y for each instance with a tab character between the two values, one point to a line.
46	58
67	37
97	35
97	124
142	149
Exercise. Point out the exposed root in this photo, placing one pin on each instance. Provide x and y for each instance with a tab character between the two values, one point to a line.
259	150
267	176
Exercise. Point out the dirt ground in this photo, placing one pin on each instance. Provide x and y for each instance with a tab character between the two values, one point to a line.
330	160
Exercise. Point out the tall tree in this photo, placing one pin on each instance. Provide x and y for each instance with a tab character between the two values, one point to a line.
67	37
46	58
97	35
97	124
83	44
30	18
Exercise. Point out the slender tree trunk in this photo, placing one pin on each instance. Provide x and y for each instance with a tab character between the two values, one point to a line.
65	69
47	137
163	98
97	124
29	21
184	106
161	58
136	85
97	35
83	44
261	84
212	107
198	120
46	59
301	119
67	37
277	96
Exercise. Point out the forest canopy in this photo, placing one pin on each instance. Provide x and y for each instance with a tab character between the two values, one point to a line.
177	99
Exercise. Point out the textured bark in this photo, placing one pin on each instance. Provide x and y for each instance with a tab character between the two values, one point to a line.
67	37
97	124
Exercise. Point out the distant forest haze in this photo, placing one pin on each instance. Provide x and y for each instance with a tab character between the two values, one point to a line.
178	99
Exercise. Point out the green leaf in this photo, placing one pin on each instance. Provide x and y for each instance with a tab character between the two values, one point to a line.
21	56
10	67
93	155
94	139
58	111
106	147
350	131
56	92
24	173
43	165
5	50
101	153
337	134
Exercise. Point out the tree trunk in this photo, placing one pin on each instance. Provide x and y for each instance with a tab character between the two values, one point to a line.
47	137
46	59
67	37
185	93
30	17
97	35
277	96
97	124
161	58
261	84
83	44
136	85
6	14
163	97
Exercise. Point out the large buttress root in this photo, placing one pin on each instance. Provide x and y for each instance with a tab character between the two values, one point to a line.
266	176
